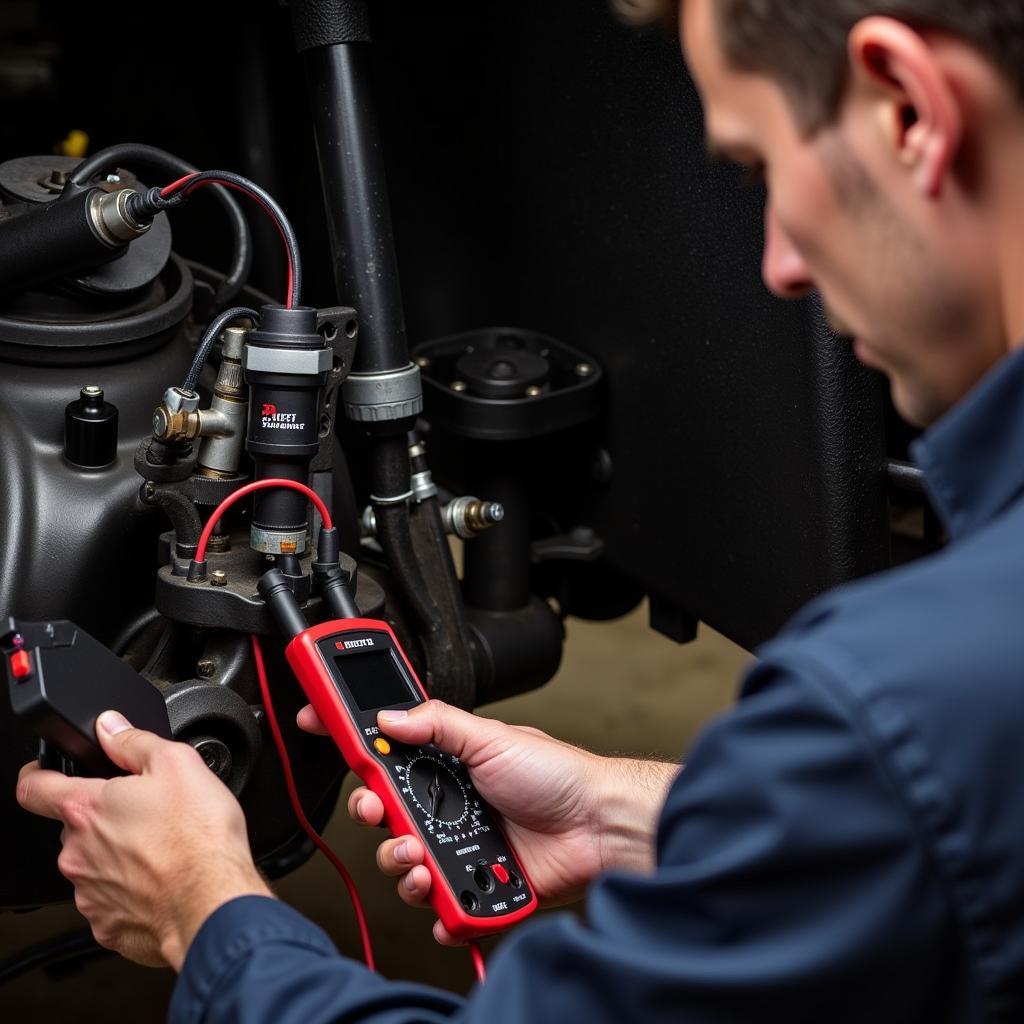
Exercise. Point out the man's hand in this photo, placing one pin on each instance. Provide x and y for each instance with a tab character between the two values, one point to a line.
151	854
568	813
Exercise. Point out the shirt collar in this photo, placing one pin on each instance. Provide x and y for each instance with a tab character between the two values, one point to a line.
973	458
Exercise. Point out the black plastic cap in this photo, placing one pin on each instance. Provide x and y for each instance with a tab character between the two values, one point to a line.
328	546
282	326
196	572
90	430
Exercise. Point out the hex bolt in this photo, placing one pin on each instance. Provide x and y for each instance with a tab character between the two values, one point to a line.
458	385
205	668
219	578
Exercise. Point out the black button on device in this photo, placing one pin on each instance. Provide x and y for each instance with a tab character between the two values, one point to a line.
515	880
484	880
469	900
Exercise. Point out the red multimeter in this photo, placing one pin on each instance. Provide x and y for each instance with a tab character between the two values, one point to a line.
352	668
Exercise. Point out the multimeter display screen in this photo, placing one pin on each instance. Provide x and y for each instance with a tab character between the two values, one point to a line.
374	680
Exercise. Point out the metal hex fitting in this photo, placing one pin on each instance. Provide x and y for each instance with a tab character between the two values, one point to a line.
380	397
178	400
111	220
301	361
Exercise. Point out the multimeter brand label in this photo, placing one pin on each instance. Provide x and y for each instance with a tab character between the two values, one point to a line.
348	645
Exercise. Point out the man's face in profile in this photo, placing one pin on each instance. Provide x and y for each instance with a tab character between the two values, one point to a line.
909	282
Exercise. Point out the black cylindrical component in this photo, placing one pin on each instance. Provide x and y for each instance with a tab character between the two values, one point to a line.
516	651
53	240
497	570
277	595
333	585
286	364
355	195
131	153
90	430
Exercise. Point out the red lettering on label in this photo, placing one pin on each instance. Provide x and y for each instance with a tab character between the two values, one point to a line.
269	409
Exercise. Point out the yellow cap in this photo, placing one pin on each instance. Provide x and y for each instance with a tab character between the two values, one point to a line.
76	144
382	746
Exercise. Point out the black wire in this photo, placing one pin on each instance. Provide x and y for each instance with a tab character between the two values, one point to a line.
254	190
129	152
210	337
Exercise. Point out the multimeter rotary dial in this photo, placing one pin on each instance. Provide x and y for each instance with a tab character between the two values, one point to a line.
438	792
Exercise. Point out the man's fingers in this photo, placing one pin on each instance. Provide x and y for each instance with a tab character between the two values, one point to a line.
365	806
396	856
51	794
453	730
414	886
130	749
445	937
309	721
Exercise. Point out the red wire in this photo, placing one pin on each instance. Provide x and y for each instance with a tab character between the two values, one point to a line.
258	485
293	795
168	190
478	961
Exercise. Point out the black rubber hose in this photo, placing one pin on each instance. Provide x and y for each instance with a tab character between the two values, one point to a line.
389	479
130	152
179	509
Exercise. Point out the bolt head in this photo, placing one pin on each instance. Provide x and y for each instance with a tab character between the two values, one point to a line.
533	391
219	578
205	668
584	369
458	385
423	362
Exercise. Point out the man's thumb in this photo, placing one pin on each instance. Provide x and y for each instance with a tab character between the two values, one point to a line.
127	747
454	731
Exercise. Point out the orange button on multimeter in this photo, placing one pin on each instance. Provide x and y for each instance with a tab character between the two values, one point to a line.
21	664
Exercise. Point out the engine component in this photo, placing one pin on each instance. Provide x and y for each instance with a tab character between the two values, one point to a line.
286	363
468	517
58	239
90	430
222	427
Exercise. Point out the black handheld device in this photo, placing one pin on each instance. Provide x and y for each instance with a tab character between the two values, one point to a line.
59	679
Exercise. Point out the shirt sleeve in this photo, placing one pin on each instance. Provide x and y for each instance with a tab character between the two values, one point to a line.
790	882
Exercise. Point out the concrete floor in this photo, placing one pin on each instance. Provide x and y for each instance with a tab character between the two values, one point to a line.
621	689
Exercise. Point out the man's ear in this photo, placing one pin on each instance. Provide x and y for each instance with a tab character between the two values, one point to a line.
918	108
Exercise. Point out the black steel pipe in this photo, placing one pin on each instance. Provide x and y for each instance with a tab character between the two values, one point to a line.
356	200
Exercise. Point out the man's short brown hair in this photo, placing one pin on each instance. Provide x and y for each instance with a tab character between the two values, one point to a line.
802	43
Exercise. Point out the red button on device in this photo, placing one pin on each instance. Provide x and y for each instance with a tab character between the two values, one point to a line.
21	664
500	873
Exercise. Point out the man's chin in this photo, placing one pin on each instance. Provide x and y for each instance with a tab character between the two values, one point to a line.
917	409
866	354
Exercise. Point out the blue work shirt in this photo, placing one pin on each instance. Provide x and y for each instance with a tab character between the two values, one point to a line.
847	844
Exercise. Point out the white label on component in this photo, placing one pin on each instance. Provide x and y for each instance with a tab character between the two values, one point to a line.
499	906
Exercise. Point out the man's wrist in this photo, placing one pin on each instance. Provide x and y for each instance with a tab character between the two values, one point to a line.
191	907
630	794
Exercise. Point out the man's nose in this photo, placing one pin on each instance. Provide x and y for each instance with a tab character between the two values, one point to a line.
782	266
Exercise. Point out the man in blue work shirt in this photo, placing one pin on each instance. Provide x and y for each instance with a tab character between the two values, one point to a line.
848	843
